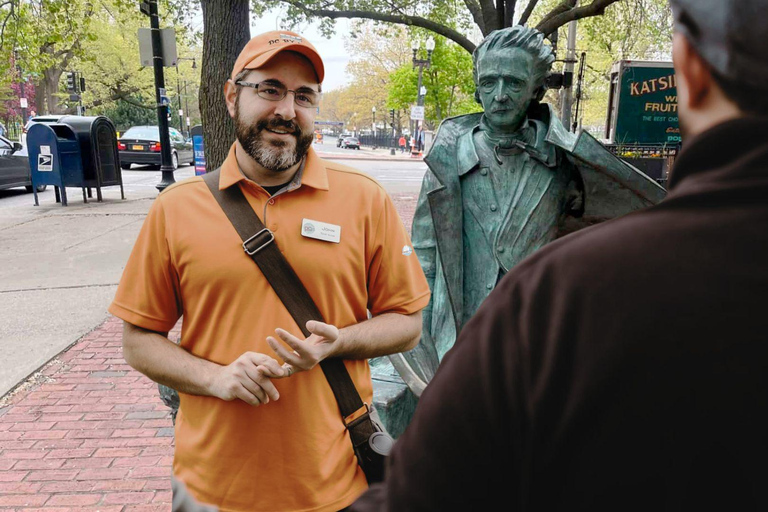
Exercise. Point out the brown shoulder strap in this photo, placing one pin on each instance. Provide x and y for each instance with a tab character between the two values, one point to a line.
259	244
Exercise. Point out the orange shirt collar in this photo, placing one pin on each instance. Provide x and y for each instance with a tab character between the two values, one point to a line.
314	174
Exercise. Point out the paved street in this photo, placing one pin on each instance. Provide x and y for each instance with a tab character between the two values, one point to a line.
86	432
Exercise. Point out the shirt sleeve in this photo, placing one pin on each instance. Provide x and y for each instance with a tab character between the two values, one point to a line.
148	295
396	283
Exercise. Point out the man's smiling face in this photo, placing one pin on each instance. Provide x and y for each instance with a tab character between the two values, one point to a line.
505	85
277	134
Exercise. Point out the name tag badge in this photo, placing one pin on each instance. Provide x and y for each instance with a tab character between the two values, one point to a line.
320	231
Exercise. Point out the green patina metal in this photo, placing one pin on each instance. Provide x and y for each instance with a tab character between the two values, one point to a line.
500	185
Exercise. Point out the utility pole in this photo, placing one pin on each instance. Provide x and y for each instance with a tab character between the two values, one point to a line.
23	98
166	167
186	106
570	61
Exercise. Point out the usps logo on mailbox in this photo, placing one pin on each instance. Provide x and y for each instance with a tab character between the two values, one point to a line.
44	163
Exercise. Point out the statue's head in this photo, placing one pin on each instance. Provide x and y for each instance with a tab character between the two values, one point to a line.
510	69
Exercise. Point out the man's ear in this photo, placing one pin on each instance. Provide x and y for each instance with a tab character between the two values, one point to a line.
694	77
230	96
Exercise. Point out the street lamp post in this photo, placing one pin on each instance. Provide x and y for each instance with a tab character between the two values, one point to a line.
166	167
23	97
178	89
421	63
373	115
186	104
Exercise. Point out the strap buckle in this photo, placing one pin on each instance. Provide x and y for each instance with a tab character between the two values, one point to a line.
260	247
358	416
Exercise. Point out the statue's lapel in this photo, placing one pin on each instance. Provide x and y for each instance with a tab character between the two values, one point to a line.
449	154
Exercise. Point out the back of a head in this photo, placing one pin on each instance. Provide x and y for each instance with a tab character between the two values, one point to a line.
730	36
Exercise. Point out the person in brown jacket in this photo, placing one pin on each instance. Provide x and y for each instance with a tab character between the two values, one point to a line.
624	366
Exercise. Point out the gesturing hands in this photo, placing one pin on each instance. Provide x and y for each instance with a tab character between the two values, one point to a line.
307	353
249	376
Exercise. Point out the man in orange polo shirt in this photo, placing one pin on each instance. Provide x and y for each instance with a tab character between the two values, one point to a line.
258	426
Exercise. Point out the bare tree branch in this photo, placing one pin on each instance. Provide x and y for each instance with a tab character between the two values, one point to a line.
500	12
562	7
552	23
11	13
477	14
527	12
400	19
490	21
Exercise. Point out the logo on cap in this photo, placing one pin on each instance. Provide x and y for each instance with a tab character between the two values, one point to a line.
290	38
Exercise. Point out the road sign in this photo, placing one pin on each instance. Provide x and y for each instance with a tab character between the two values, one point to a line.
23	102
168	39
164	100
417	113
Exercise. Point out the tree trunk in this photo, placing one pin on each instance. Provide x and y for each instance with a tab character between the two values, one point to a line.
50	84
226	30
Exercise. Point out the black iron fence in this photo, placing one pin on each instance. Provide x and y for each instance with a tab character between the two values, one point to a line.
378	141
655	160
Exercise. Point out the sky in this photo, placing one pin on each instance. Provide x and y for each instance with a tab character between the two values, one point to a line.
335	57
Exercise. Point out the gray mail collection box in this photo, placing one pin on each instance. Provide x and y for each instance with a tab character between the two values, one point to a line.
85	155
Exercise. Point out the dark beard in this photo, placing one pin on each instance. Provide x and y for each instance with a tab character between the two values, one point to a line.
275	156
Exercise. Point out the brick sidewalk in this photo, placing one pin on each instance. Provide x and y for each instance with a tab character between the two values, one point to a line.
88	432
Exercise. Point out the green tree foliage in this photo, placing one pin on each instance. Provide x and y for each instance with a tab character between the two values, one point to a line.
448	80
126	114
47	35
383	77
98	39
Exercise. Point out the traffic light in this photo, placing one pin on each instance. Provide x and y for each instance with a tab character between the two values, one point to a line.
392	116
71	84
82	84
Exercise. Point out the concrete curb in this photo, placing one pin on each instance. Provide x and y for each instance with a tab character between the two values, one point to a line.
381	158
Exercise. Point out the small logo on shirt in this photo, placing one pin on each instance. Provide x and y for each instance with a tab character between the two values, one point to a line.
309	229
407	250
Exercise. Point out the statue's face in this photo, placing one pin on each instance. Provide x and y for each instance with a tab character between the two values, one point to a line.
506	87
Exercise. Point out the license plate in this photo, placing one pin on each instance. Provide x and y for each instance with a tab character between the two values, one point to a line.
137	147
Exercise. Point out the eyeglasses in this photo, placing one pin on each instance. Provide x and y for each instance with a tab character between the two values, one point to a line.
276	92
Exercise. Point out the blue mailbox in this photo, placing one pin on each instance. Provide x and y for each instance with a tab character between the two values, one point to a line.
54	158
76	151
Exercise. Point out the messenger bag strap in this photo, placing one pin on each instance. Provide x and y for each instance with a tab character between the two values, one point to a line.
259	244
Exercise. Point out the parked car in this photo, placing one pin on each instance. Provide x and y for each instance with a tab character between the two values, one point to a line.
341	139
141	145
53	118
14	166
350	142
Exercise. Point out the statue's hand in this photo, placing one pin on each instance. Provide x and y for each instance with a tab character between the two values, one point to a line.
305	353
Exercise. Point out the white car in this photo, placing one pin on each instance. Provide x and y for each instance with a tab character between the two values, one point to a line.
53	118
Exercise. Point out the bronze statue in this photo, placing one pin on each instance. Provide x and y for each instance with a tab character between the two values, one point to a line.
501	185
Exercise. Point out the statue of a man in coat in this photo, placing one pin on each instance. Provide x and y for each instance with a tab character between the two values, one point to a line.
502	184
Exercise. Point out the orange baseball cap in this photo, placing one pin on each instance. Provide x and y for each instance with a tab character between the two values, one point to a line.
262	48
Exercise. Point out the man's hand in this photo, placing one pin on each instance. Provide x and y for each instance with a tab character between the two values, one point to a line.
307	353
248	378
